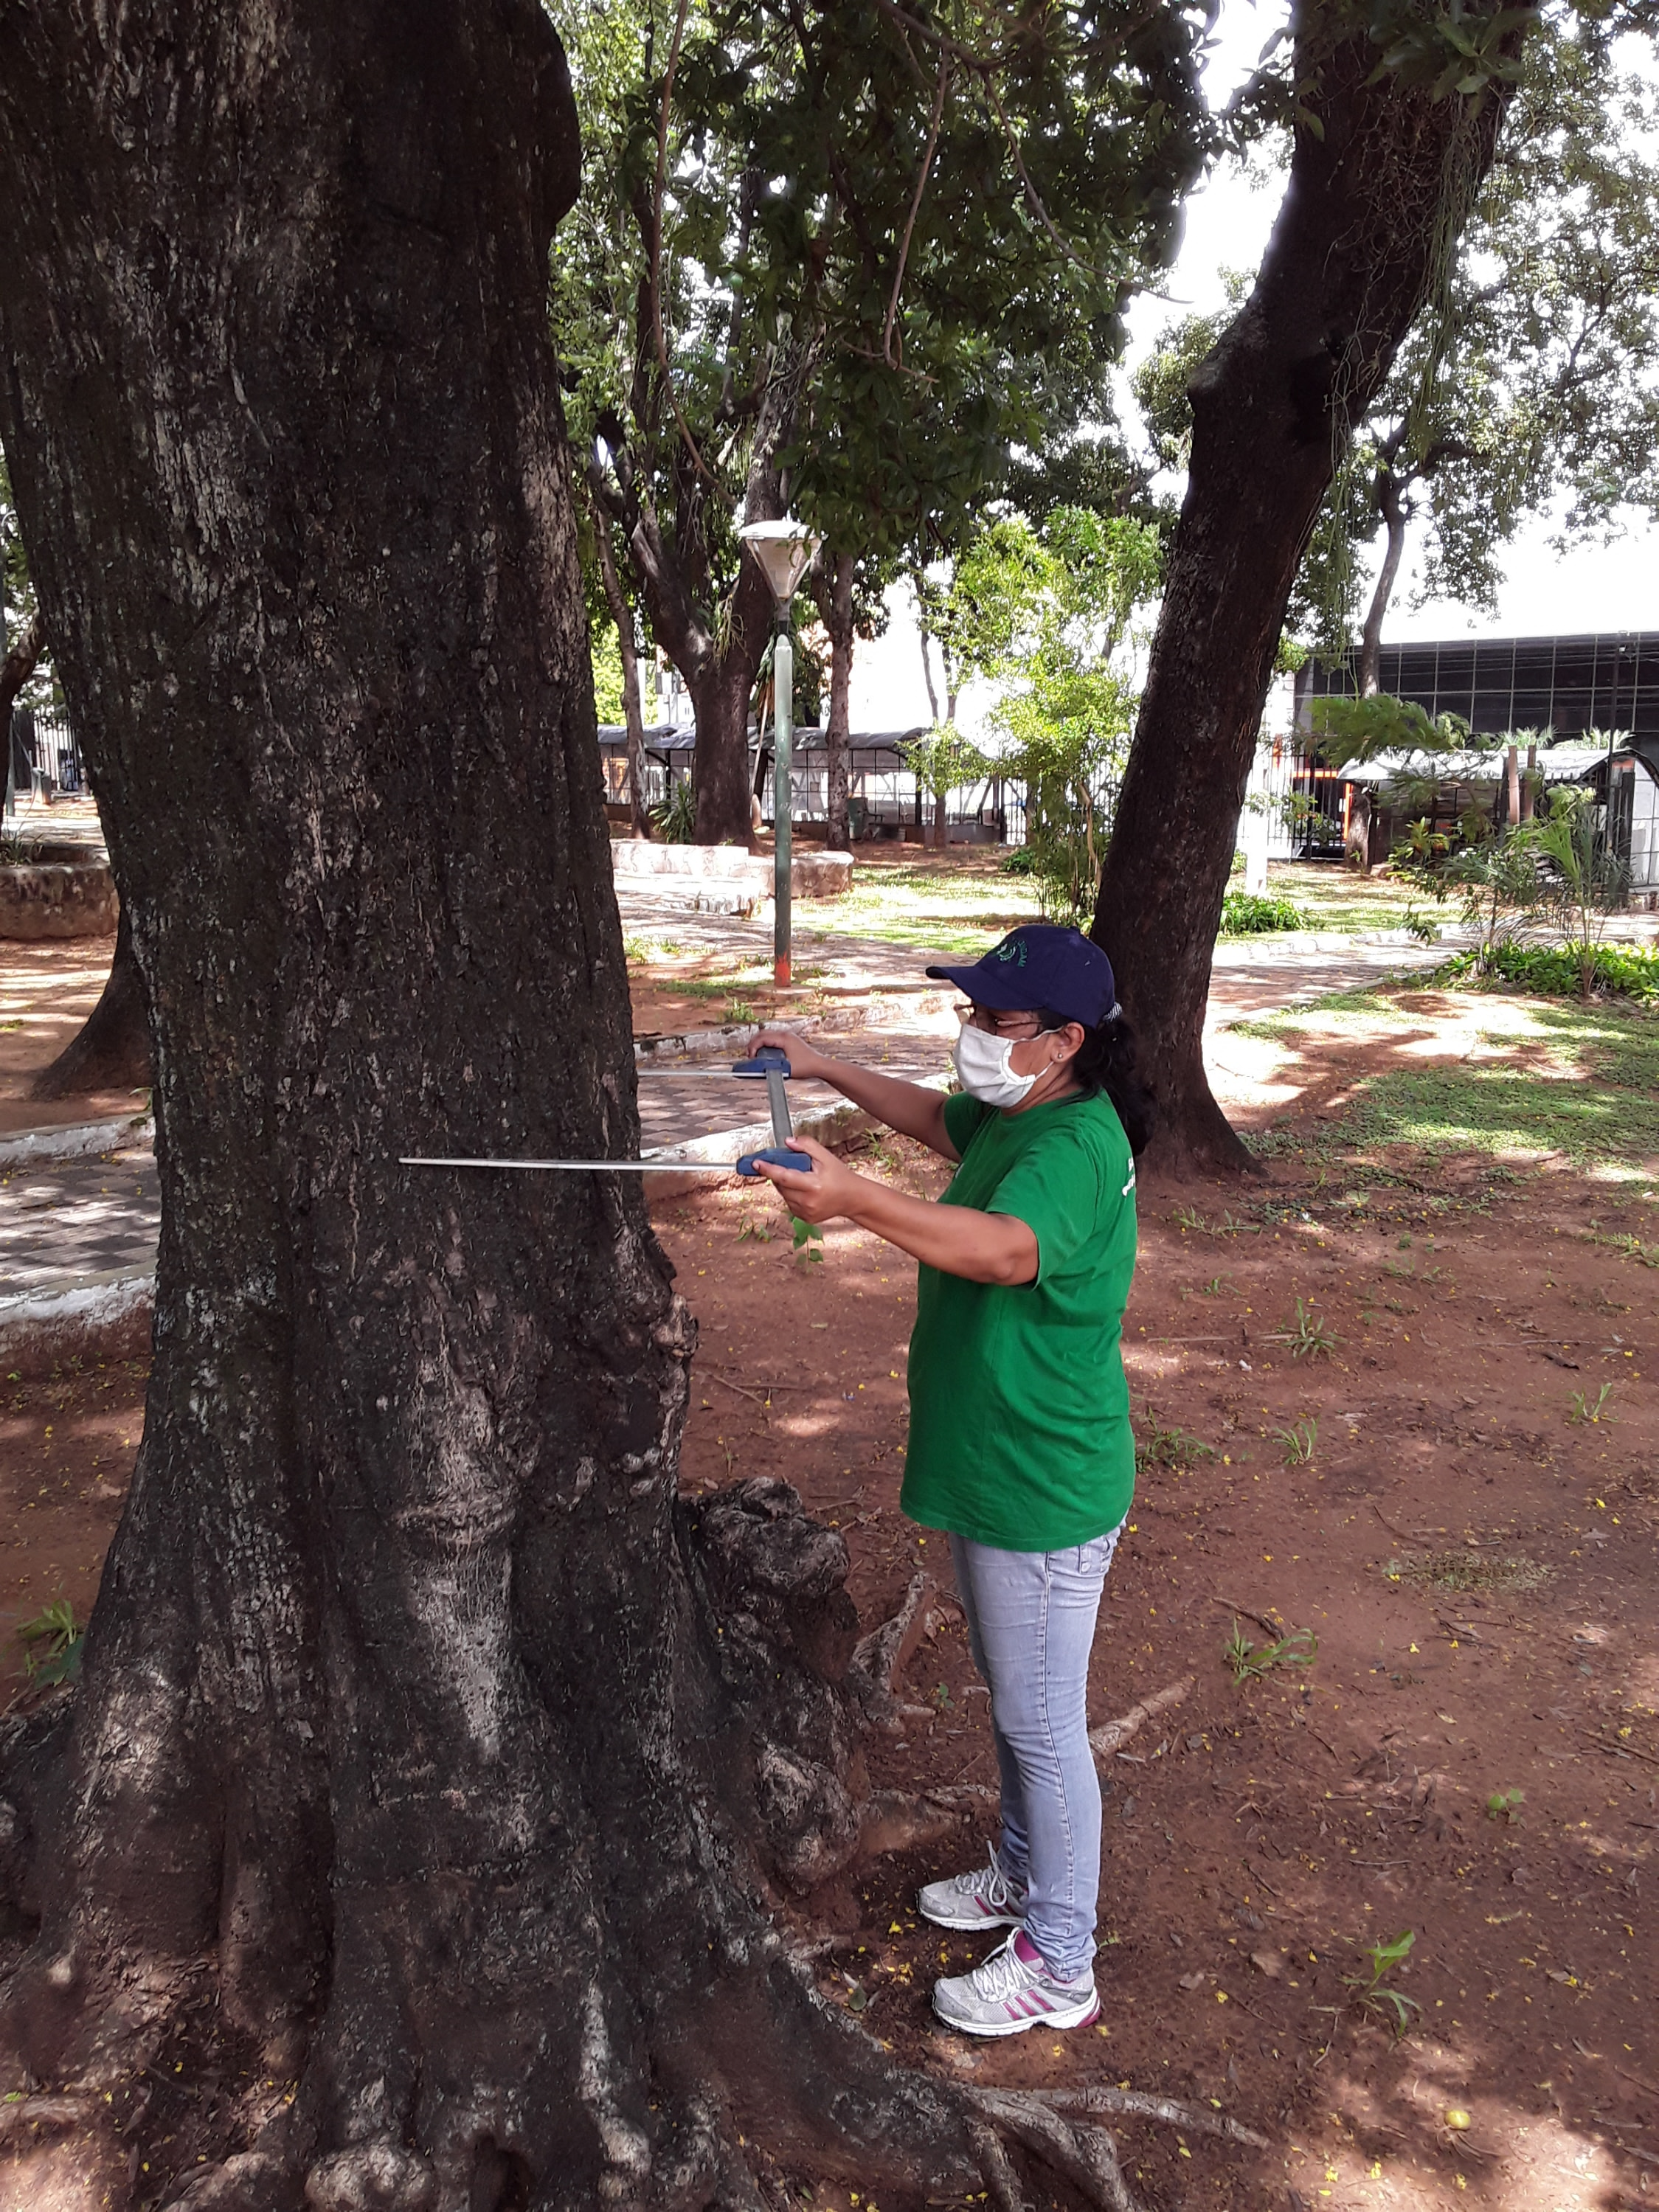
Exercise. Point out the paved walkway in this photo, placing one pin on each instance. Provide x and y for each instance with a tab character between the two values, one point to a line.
64	1219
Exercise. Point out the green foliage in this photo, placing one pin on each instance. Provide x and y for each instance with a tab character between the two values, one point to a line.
1250	1662
862	253
1172	1447
944	759
1351	730
1252	914
1555	970
1306	1336
52	1644
1371	1993
807	1242
1505	1805
1533	384
1592	1410
1300	1441
1046	615
675	820
606	653
1584	880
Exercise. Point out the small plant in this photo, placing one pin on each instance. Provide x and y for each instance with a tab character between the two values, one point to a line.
1298	1441
52	1644
675	820
1595	1410
1505	1805
1371	1994
1162	1447
1219	1286
1188	1217
1307	1336
1631	1248
755	1231
942	1698
739	1009
1250	1662
808	1242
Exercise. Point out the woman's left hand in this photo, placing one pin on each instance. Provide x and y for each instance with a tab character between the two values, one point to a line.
831	1189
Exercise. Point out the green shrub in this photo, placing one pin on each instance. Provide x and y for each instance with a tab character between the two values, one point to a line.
1555	971
1247	914
1022	861
676	821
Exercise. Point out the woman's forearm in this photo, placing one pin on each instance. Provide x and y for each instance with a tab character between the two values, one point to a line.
958	1240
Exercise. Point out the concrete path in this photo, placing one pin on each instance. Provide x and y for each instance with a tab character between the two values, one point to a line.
64	1219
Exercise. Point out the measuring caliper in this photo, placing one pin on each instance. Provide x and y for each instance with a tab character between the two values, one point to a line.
769	1064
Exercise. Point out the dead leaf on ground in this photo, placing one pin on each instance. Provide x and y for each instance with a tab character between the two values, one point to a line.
1268	1963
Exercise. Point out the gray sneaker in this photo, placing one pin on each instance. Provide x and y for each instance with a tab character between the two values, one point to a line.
982	1899
1012	1990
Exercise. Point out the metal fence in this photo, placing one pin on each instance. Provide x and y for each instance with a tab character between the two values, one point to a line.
45	755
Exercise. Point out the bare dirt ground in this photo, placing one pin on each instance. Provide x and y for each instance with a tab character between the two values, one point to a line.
47	991
1436	1488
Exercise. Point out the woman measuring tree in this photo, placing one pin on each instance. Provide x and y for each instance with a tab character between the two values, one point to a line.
1020	1447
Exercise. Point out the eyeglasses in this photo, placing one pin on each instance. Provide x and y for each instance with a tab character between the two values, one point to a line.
997	1023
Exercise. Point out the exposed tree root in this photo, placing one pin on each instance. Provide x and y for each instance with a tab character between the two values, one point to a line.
882	1656
996	2169
1085	2156
1112	1735
1142	2104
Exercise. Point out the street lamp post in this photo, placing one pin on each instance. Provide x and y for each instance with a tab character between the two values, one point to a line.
783	549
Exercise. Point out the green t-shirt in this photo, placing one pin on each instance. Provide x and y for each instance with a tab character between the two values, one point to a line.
1019	1410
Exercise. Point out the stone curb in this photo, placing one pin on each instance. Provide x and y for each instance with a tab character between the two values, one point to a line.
85	1317
75	1141
891	1009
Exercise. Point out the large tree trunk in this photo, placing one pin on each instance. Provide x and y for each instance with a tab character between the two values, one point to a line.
837	611
408	1763
112	1050
1350	262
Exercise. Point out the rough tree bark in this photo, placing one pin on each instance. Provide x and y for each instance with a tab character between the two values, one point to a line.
1350	263
428	1755
16	669
639	816
112	1049
836	607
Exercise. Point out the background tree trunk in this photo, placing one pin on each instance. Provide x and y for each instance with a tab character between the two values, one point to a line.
837	607
407	1763
639	815
112	1051
1391	508
1349	264
16	669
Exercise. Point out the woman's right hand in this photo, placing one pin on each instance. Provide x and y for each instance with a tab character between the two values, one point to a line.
806	1060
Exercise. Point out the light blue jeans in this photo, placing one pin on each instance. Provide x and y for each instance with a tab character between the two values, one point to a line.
1031	1626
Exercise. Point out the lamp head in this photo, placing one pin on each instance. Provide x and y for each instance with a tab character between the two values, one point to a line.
783	549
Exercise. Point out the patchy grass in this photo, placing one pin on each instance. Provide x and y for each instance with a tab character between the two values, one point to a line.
1509	1078
934	905
1334	898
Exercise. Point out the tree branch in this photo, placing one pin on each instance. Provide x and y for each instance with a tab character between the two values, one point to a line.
916	208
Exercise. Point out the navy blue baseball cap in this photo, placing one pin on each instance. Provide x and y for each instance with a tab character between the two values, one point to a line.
1041	965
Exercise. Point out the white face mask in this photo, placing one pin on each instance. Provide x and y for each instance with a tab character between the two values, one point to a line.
982	1068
